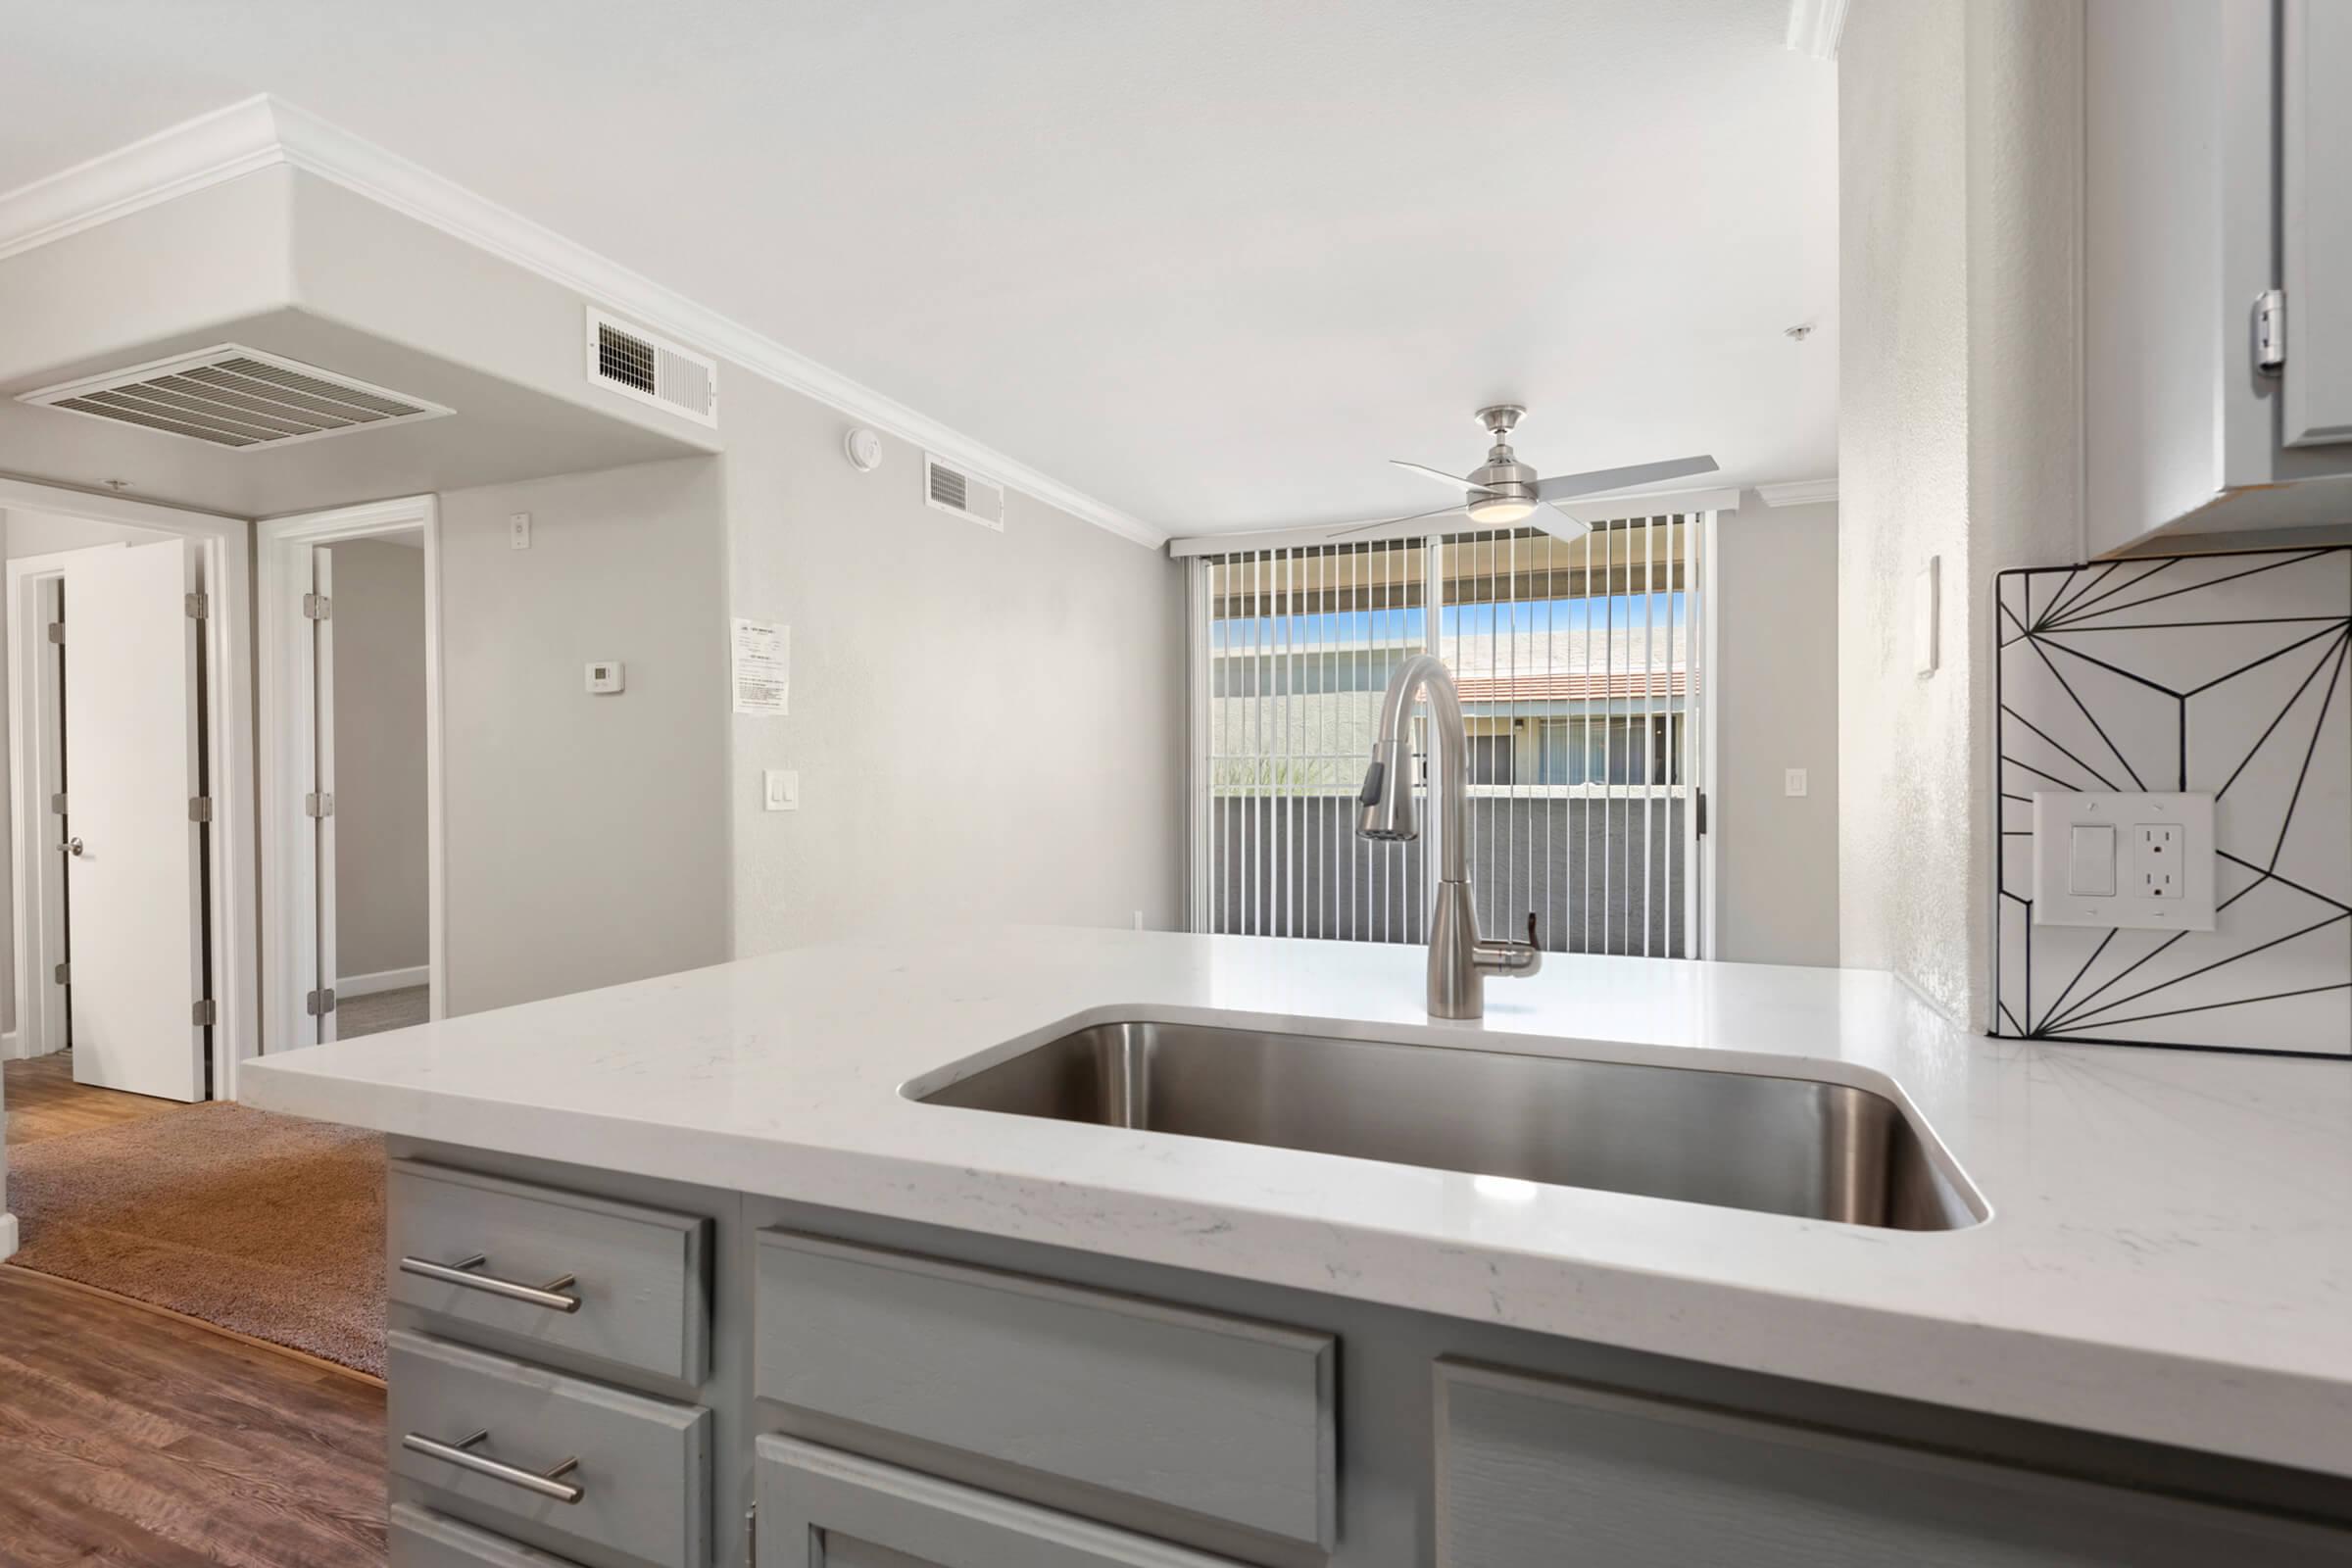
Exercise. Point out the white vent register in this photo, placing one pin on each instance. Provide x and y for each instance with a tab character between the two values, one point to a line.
634	363
241	398
952	489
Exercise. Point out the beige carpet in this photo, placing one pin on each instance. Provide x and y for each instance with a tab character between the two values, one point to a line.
269	1225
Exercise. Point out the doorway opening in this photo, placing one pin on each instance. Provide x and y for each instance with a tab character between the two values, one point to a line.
348	620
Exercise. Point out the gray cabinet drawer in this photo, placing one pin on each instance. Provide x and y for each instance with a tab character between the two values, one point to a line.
823	1508
1532	1470
643	1465
420	1537
1224	1418
640	1275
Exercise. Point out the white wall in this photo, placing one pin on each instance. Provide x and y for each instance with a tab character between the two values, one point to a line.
988	727
381	888
1959	139
587	835
1775	708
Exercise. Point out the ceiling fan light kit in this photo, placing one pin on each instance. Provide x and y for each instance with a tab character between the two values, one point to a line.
1502	491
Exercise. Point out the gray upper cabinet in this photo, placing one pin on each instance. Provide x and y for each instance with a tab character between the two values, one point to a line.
2218	168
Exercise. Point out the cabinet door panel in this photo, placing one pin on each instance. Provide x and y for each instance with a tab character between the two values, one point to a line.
823	1508
2316	217
1532	1470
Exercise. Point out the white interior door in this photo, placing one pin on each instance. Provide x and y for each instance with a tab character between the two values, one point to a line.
134	894
321	804
45	774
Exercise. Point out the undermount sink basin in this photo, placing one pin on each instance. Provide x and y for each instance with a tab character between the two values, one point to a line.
1781	1145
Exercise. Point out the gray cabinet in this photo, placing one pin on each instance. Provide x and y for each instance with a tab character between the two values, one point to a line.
1533	1470
630	1284
635	1472
1222	1417
823	1508
2217	167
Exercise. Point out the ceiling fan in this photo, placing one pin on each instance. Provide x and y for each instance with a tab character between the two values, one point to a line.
1503	491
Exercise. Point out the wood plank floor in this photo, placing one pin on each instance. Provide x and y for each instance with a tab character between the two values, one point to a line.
132	1437
44	1101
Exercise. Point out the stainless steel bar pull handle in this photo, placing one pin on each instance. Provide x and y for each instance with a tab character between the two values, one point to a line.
465	1272
548	1483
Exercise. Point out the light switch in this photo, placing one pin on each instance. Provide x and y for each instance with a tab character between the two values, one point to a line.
781	789
2091	862
518	530
1792	781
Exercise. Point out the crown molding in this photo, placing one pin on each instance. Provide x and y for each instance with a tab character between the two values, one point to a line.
1814	26
187	157
264	131
1799	492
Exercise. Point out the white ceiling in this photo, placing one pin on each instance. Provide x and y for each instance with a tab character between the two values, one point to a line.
1209	262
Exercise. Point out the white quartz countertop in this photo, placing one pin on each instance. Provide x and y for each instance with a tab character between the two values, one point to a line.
2169	1253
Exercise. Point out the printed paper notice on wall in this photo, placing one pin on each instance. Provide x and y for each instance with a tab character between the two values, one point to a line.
763	667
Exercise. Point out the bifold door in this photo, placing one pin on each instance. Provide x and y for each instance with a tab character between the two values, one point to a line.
134	847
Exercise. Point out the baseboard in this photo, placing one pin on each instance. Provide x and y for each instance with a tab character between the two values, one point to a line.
9	1043
367	985
8	1235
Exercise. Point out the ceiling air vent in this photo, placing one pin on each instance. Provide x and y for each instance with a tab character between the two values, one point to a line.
237	397
953	490
635	363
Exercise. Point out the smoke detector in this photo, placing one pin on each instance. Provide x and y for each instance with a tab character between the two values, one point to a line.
235	396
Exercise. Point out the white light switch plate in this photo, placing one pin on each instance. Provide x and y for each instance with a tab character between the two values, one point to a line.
1793	781
781	789
518	530
2154	852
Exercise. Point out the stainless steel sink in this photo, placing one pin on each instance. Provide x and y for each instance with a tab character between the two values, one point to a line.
1782	1146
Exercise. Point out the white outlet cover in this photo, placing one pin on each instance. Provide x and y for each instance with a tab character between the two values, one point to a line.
2056	815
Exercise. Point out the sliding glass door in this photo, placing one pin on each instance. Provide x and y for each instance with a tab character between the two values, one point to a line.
1582	673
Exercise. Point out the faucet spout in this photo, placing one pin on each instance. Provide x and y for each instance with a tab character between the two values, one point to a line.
1458	960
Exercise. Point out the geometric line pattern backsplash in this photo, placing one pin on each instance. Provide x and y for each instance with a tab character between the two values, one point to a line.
2221	673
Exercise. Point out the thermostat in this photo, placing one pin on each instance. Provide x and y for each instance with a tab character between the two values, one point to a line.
607	675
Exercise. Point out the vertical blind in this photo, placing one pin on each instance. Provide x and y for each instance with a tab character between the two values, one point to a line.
1581	683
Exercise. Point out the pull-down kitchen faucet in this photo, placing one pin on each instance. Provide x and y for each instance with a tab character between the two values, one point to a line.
1459	961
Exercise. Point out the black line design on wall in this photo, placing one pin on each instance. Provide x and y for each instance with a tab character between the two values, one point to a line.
2229	674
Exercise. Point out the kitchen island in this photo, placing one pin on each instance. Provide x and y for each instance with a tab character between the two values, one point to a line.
1280	1355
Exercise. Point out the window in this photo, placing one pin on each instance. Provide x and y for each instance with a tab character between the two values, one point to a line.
1578	670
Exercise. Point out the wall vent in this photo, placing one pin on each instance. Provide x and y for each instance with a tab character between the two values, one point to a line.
953	490
632	361
235	396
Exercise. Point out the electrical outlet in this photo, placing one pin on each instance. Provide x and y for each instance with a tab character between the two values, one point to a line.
2157	854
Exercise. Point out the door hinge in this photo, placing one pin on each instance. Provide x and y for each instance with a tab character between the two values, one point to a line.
2270	331
57	803
751	1536
319	1004
201	1013
317	606
200	807
319	804
1700	796
57	631
63	974
199	605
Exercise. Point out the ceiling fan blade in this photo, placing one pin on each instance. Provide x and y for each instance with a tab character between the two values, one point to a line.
1367	527
1560	487
1561	523
1423	467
